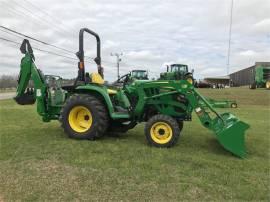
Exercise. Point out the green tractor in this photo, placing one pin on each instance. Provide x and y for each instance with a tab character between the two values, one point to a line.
139	74
261	77
131	77
181	72
89	109
177	72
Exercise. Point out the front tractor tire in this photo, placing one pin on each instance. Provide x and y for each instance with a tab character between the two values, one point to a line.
162	131
84	117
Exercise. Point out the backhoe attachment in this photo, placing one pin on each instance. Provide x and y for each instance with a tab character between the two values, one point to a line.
25	96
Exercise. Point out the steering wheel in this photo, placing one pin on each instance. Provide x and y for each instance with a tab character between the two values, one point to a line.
123	79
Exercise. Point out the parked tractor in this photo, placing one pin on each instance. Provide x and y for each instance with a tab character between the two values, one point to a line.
89	109
261	76
130	78
181	72
177	72
139	74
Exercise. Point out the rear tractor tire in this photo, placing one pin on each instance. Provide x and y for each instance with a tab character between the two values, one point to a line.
84	117
162	131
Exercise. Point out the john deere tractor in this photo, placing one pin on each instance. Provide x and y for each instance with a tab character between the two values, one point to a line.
88	109
130	77
139	74
261	76
181	72
177	72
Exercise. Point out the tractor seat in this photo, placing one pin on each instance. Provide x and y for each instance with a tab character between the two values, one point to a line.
96	78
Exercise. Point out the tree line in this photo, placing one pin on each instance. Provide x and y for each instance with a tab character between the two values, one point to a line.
11	81
8	81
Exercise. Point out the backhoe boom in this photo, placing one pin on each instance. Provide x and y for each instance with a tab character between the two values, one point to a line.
29	71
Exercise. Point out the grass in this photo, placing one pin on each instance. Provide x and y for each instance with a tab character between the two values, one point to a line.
39	163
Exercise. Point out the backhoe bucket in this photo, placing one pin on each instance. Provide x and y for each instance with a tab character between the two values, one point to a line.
230	132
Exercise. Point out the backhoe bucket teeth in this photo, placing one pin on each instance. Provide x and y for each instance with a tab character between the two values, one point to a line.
230	132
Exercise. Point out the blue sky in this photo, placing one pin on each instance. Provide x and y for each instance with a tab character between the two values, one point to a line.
149	33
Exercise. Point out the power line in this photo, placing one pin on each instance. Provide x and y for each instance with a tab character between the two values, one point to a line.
13	34
37	40
59	21
15	10
41	50
11	9
30	12
45	51
41	19
42	42
46	13
4	39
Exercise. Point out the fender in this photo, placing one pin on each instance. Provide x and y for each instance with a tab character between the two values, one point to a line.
100	90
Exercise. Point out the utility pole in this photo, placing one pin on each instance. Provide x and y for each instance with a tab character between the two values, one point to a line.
229	46
118	60
229	42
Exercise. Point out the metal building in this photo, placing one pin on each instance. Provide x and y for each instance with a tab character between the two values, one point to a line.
224	80
246	76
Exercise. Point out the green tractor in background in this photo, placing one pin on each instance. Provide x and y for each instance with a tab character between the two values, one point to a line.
89	109
139	74
181	72
131	77
177	72
261	78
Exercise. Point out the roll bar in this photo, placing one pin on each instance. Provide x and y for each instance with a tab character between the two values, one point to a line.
80	54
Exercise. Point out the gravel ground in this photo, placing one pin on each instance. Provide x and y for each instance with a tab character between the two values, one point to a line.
4	96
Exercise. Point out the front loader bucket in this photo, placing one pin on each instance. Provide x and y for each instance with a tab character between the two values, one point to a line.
230	132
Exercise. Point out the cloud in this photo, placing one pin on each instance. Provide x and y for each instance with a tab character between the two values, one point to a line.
142	55
263	26
149	33
247	53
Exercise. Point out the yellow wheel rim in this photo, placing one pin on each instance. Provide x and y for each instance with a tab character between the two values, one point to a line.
234	105
190	80
268	84
80	119
161	132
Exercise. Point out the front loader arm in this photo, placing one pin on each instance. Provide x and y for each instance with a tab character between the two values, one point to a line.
228	129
